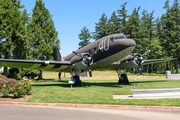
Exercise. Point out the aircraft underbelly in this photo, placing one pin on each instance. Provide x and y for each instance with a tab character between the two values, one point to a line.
112	58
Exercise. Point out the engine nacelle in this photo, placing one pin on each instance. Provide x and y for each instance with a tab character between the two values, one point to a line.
129	64
85	59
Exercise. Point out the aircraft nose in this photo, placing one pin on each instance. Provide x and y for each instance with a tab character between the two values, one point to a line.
122	44
128	42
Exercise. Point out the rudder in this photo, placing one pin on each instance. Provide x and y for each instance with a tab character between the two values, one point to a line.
56	54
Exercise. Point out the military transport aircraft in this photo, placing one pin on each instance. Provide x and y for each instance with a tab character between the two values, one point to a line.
110	52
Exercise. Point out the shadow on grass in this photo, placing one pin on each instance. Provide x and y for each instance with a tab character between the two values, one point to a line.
152	81
102	84
51	82
64	83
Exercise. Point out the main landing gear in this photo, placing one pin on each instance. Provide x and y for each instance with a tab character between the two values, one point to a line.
77	81
123	79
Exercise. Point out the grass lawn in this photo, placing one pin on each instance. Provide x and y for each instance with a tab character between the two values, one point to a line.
99	90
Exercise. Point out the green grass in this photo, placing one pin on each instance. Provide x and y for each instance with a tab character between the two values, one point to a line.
100	92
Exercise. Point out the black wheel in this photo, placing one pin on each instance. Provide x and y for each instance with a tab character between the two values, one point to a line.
77	81
123	80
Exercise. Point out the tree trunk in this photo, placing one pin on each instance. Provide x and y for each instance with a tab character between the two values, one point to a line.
40	77
147	68
5	71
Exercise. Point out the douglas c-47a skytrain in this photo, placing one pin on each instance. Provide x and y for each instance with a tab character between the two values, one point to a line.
108	53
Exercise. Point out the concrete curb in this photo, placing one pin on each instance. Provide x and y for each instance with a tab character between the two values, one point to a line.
154	108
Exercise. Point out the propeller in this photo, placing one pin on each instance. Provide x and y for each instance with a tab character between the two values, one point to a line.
139	59
87	60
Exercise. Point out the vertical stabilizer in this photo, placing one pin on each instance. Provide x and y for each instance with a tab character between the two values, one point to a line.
56	54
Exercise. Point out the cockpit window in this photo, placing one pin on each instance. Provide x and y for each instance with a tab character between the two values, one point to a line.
111	39
119	37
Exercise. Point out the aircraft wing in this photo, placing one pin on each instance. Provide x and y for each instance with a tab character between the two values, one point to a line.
48	65
132	64
150	61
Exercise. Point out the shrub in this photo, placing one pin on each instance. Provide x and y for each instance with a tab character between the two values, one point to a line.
6	89
27	87
29	73
18	89
13	73
19	73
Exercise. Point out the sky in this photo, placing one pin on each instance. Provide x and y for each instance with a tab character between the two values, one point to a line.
70	16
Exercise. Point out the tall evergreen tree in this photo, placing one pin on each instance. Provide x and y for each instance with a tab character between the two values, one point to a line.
85	37
133	24
146	31
113	24
22	37
133	28
42	33
101	28
12	30
122	14
171	28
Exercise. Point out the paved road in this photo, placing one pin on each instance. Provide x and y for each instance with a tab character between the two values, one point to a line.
15	112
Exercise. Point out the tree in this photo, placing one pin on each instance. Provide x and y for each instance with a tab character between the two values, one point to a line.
85	37
122	15
171	28
22	37
146	32
42	33
101	28
12	29
114	23
133	24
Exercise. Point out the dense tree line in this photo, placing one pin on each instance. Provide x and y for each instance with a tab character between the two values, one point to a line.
161	35
25	36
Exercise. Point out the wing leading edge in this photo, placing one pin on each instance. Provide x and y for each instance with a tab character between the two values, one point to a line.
151	61
48	65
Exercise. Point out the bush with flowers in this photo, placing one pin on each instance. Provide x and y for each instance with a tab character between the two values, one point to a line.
17	90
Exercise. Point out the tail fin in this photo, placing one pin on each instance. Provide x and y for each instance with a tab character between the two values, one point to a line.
56	54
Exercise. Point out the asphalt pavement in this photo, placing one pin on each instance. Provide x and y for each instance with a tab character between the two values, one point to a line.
34	112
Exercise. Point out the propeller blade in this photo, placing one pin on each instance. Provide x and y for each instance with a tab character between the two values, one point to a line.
90	72
89	69
140	69
139	58
76	53
146	53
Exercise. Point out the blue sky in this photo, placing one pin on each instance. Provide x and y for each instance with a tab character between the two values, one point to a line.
70	16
